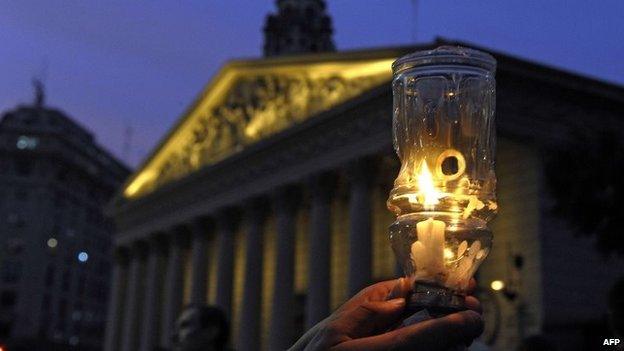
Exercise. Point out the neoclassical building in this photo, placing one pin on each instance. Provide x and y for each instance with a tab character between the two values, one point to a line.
267	199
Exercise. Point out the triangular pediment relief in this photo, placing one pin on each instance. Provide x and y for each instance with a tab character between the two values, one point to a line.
249	101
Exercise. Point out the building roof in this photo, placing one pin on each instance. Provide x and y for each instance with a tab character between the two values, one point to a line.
250	100
40	120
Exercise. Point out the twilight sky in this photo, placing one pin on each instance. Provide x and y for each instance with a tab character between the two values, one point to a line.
118	63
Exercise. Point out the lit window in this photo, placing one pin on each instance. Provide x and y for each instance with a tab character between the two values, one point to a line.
26	143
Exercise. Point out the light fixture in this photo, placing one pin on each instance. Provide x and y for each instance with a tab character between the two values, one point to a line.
497	285
444	195
83	256
52	243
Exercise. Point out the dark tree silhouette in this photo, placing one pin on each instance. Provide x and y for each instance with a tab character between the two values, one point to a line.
586	178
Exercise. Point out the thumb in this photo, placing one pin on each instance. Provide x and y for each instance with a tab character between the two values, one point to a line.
372	317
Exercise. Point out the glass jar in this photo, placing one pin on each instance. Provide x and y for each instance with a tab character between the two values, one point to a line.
444	195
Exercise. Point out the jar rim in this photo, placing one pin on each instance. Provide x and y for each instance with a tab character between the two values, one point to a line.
446	54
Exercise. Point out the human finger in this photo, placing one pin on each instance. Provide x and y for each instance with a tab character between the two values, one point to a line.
436	334
472	286
472	303
401	288
376	292
370	317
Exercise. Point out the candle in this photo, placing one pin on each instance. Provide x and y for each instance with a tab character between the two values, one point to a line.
433	262
428	251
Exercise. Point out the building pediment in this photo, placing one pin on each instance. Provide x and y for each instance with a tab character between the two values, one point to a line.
252	100
248	101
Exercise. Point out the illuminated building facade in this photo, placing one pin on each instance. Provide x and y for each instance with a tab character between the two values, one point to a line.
268	200
268	197
55	252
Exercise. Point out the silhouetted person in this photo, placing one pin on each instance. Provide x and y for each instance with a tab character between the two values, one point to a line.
201	327
536	343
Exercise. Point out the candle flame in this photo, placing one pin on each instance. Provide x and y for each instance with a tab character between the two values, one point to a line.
429	194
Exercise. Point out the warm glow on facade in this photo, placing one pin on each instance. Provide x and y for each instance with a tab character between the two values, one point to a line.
249	101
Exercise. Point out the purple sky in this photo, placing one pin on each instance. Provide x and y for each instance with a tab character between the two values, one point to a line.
140	63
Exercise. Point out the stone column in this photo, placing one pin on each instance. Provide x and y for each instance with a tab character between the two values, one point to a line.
153	293
117	296
360	246
132	309
319	278
173	286
199	261
225	267
249	331
282	317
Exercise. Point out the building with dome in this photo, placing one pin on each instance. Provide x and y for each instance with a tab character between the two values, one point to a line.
267	198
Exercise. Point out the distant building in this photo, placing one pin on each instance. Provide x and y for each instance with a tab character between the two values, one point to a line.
268	200
55	243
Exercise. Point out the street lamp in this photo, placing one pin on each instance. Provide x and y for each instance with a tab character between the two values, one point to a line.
444	195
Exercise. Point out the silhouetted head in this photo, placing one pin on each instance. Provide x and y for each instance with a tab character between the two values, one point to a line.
201	327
